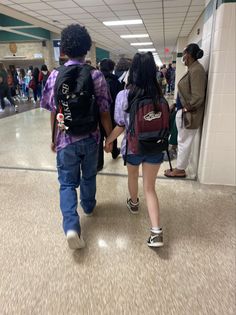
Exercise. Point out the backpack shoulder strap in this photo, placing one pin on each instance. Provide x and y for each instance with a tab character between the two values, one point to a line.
83	77
60	68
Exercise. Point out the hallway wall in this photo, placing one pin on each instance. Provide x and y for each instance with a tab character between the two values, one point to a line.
29	49
217	154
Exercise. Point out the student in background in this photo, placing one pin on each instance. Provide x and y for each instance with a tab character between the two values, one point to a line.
114	85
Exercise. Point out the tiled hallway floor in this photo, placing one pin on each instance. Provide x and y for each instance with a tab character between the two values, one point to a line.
194	273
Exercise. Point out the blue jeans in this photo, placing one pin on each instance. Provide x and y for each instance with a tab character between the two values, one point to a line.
77	166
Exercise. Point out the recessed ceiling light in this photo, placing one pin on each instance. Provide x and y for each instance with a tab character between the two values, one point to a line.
141	44
135	36
123	22
147	49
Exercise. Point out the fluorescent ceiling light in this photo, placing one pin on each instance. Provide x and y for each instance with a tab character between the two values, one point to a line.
135	36
147	49
141	44
123	22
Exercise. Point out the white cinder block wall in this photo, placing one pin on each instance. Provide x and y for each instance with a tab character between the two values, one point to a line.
217	153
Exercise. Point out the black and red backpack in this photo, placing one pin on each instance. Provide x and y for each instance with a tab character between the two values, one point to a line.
148	130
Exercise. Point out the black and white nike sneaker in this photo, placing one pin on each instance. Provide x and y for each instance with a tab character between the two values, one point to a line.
156	239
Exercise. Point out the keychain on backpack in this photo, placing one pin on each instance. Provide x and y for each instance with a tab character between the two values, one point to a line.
60	119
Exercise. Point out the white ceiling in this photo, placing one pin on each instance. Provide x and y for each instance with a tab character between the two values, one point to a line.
163	20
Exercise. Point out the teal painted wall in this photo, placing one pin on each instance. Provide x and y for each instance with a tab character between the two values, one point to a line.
11	22
101	54
11	37
37	32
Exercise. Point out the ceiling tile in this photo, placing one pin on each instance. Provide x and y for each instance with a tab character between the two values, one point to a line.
82	16
131	14
6	2
150	5
48	12
21	1
37	6
151	16
120	1
151	11
194	14
175	15
122	7
176	9
73	10
18	7
32	13
196	8
63	4
98	8
198	2
91	3
176	3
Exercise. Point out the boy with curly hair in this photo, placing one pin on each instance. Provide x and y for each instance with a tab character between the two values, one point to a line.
77	155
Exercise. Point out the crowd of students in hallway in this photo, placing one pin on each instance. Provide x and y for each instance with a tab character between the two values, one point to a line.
120	93
115	88
19	84
118	90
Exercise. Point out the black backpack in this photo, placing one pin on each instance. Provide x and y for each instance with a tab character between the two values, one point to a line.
114	87
75	99
45	77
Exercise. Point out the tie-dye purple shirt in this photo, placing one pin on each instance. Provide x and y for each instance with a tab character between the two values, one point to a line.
48	102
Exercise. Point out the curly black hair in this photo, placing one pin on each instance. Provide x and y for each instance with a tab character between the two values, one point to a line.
75	41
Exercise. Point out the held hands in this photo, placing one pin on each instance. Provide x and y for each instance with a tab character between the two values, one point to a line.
113	135
108	146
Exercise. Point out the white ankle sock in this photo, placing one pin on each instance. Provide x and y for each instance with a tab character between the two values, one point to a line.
156	229
135	203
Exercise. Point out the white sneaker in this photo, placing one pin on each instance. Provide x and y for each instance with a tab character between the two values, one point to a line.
16	108
74	240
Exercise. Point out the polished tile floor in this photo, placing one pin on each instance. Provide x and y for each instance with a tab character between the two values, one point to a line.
194	273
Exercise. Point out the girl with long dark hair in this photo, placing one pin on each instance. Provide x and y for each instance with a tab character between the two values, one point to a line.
142	82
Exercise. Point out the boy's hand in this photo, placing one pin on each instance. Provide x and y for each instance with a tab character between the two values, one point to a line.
53	147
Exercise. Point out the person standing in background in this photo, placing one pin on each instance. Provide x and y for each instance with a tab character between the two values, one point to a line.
114	86
190	107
